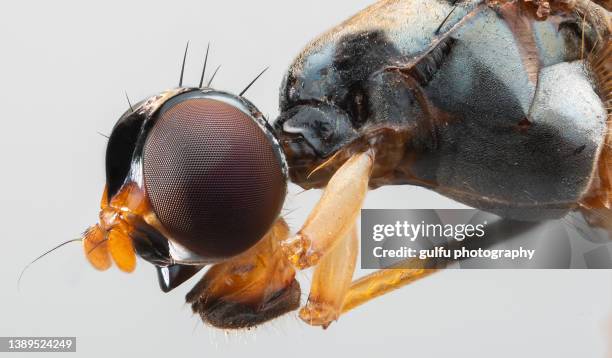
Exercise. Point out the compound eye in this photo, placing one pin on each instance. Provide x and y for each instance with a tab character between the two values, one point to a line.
213	176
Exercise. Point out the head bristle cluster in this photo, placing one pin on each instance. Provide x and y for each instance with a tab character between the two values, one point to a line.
214	73
200	85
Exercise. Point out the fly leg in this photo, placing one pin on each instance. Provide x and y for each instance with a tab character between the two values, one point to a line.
334	214
330	283
411	270
389	279
381	282
250	288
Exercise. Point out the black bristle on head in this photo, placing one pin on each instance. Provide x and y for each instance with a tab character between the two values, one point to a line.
204	67
129	102
183	66
213	76
252	82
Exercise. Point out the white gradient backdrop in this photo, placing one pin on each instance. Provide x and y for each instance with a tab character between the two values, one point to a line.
64	67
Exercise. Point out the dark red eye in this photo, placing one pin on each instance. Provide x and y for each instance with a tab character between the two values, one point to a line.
213	175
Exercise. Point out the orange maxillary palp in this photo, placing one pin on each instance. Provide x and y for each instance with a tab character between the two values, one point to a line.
96	248
122	250
109	240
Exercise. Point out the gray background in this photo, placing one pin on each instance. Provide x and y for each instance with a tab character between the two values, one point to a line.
64	67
